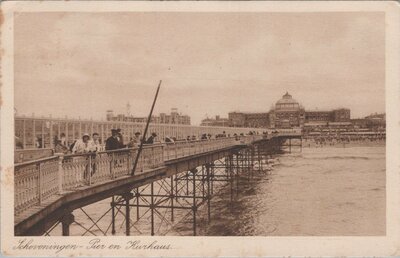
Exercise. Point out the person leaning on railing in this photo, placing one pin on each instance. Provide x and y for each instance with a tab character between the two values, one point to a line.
59	147
86	146
134	141
95	144
113	142
82	146
168	139
151	139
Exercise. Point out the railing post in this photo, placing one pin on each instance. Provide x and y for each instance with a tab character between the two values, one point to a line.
176	150
40	185
153	163
90	169
162	154
112	165
142	161
60	173
129	162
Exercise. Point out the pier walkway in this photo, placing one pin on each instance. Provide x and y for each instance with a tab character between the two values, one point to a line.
48	190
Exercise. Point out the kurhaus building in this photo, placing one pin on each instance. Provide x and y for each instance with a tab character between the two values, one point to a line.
288	113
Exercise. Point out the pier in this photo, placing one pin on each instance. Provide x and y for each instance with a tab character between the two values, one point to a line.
168	177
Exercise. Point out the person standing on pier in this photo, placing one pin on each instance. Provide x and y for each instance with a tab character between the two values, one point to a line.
120	138
135	141
112	143
94	147
63	140
151	139
59	147
95	142
82	146
85	146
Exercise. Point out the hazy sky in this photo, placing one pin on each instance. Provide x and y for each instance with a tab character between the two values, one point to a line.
81	64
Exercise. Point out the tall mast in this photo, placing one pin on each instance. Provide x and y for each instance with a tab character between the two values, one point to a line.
145	130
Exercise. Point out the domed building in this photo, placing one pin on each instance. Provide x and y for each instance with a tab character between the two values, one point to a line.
287	103
287	113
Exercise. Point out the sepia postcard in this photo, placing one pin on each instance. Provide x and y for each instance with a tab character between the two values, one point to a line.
200	129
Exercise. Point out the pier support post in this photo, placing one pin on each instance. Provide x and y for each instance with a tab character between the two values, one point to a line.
252	157
194	206
66	221
172	196
187	183
235	179
152	207
212	178
137	195
113	215
231	173
208	193
127	197
203	183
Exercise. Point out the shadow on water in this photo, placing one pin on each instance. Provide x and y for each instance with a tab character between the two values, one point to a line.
231	217
305	194
318	192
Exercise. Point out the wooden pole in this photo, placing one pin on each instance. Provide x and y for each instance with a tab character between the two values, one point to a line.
145	130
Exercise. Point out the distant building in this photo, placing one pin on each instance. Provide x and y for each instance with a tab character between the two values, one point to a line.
173	118
238	119
217	121
374	122
288	113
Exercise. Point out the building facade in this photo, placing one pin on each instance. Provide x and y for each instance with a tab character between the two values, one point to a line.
255	120
173	118
373	121
289	113
217	121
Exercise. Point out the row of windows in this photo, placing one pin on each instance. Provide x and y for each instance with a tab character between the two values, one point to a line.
281	106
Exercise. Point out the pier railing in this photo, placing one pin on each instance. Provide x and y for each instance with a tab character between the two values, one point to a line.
37	181
288	132
185	148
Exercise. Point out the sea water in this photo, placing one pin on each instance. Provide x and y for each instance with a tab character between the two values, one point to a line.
328	191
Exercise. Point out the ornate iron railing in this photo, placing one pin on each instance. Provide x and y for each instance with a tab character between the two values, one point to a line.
36	181
185	148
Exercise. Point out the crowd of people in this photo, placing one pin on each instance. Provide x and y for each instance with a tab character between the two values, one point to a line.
330	140
92	143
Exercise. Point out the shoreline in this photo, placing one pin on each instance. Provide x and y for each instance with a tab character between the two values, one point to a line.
309	144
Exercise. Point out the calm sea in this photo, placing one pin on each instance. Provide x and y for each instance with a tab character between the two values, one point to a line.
329	191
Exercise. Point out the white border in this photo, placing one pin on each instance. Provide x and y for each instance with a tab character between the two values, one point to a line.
215	246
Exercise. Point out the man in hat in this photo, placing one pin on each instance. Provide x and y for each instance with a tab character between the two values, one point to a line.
112	143
120	138
151	139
